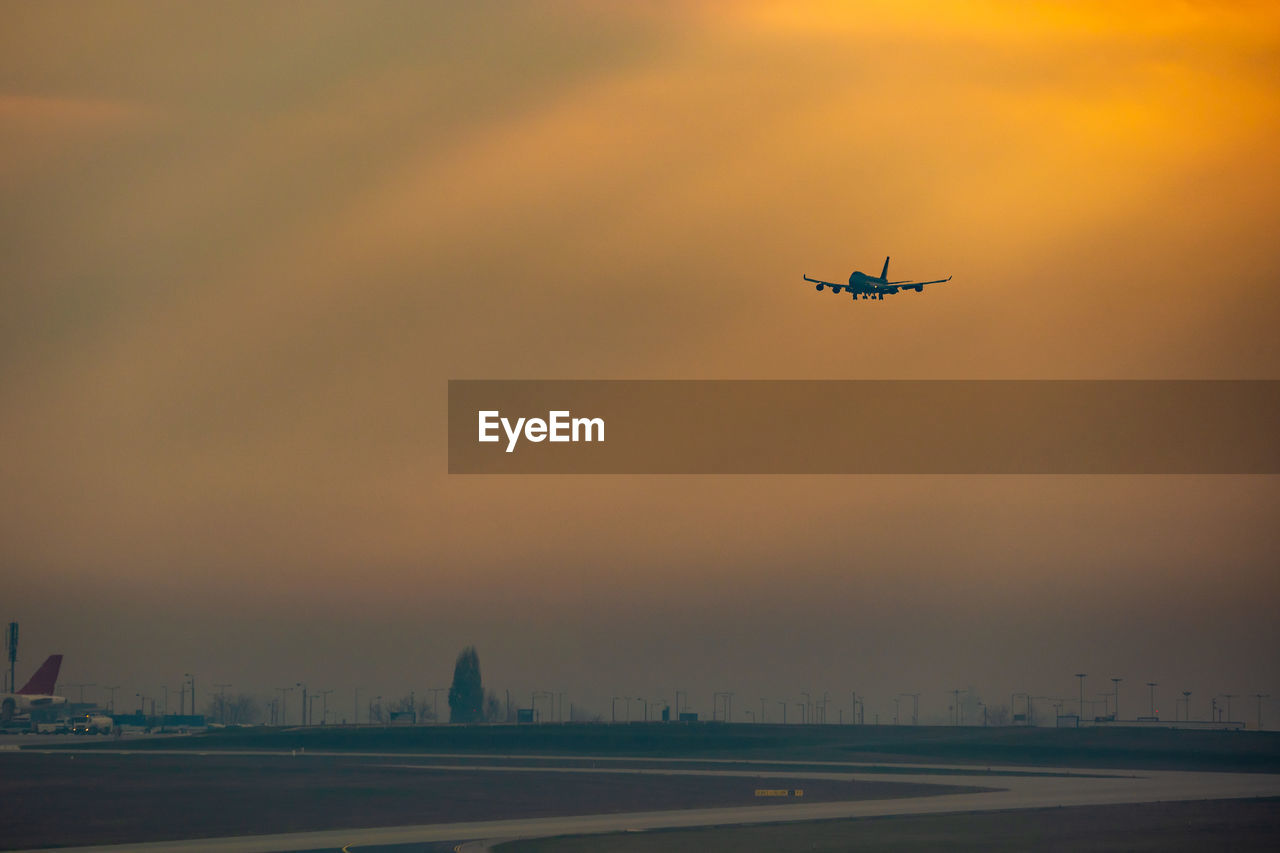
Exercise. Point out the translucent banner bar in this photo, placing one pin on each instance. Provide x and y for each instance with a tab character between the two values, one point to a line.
863	427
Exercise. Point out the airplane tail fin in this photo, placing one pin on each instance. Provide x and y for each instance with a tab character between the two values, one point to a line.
884	273
45	679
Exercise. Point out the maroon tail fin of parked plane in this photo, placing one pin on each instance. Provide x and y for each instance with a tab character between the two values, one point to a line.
45	679
37	693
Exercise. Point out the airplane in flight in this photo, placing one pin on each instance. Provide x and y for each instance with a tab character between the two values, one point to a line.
36	693
871	287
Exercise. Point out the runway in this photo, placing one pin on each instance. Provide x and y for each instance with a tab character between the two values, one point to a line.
1072	787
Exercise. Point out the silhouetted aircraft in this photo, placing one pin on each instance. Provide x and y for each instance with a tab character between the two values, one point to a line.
871	287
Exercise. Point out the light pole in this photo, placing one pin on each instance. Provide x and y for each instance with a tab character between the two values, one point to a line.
82	687
1153	685
915	707
222	702
1115	690
324	706
804	718
956	710
193	693
284	704
1260	697
113	688
1229	697
784	711
435	700
1080	716
302	685
551	714
1186	703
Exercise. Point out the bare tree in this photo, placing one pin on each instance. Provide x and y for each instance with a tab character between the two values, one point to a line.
233	709
579	714
494	712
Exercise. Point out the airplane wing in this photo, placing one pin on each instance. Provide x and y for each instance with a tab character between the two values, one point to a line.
914	283
895	286
839	284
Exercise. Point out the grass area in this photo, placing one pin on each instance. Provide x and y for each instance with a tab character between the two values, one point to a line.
1237	825
1168	749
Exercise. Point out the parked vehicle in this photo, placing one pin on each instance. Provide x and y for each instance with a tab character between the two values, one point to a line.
92	724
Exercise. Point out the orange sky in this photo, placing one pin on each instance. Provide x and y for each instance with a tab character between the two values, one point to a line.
244	247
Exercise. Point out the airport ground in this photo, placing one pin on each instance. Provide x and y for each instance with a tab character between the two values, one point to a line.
412	788
77	798
1236	825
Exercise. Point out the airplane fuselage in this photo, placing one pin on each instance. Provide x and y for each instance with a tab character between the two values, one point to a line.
15	705
23	702
866	286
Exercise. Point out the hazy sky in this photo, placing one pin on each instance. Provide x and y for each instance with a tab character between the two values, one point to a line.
243	247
